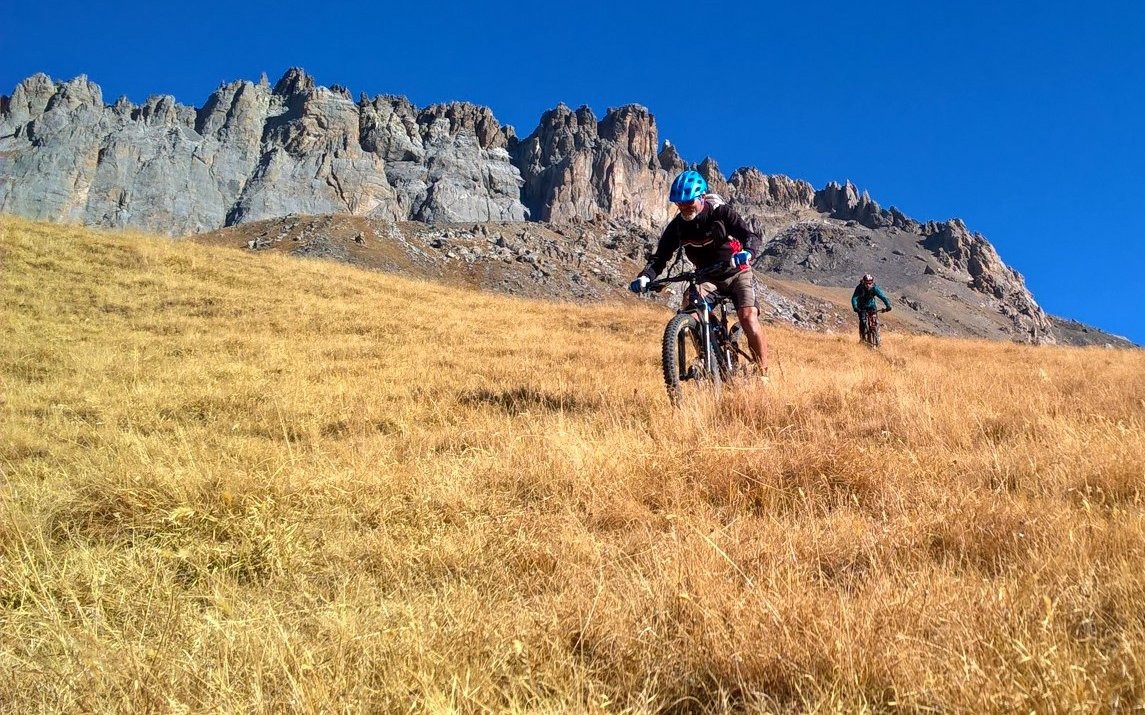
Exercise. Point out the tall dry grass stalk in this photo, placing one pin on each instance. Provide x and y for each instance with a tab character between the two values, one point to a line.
235	482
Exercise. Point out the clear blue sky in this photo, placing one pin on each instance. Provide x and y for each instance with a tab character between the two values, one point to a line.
1026	119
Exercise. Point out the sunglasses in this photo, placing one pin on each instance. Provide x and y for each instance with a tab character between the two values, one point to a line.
687	204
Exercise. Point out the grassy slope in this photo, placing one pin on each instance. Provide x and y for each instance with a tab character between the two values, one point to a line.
235	480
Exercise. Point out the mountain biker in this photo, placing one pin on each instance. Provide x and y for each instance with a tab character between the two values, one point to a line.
863	301
712	235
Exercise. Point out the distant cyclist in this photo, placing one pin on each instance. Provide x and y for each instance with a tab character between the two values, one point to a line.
863	301
712	235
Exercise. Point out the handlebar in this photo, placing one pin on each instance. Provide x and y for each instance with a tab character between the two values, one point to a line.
699	276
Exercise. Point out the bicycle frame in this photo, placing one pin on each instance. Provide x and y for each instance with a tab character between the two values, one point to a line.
701	307
706	325
718	318
870	325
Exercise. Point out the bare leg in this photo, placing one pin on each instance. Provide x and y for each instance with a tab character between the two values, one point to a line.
749	321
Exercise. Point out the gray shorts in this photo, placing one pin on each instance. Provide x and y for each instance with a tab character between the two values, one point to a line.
740	287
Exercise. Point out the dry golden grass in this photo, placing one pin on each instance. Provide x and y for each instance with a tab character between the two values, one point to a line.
245	482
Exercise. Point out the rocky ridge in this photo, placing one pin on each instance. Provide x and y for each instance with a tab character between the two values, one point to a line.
254	152
251	152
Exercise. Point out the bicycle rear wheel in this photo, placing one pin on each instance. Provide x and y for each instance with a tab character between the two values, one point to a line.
732	362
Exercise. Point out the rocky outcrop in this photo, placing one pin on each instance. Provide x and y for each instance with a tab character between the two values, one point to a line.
249	152
51	142
846	204
311	159
710	170
819	261
28	101
388	127
670	160
970	257
752	190
576	168
449	162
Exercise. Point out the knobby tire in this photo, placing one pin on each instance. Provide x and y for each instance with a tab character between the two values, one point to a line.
681	350
870	333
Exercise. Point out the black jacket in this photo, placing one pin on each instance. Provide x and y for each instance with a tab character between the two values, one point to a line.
709	239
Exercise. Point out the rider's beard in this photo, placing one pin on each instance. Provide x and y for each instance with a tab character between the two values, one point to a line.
689	215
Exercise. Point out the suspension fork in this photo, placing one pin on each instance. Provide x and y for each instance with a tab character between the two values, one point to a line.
709	349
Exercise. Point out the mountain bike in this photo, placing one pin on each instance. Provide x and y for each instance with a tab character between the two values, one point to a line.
699	345
869	327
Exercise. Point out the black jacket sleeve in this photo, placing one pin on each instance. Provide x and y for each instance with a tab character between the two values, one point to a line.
737	228
669	243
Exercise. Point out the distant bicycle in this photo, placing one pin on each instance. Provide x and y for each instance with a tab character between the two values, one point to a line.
699	345
863	303
869	327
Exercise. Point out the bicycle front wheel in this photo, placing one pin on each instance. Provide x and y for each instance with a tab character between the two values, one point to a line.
682	353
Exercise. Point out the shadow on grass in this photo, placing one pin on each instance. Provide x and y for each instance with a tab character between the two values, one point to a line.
525	399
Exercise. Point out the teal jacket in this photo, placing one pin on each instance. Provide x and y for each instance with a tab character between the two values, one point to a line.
863	299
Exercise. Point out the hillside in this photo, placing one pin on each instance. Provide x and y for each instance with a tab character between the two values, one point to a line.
239	480
253	153
805	274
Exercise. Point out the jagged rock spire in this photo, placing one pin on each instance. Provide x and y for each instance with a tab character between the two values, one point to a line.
294	81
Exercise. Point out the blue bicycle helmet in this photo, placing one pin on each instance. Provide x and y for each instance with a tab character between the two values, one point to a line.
688	186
